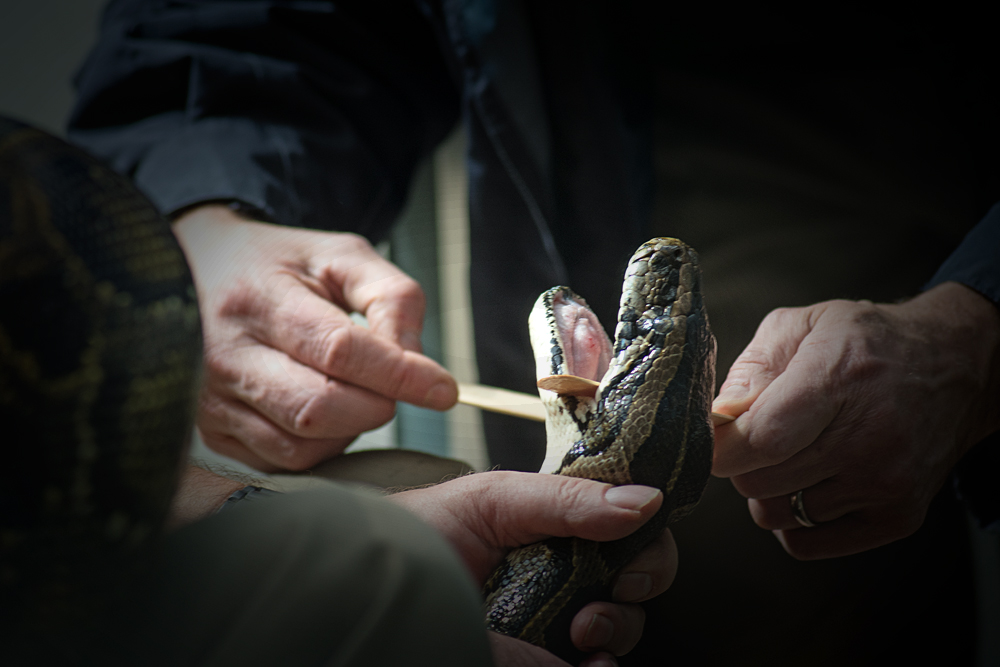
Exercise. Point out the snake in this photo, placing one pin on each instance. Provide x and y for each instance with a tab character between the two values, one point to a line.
648	423
100	357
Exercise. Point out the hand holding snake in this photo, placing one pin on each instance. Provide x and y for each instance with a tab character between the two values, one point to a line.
485	515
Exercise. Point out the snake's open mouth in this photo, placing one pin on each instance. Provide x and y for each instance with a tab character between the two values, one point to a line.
586	349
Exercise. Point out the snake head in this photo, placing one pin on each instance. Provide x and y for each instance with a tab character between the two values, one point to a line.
661	289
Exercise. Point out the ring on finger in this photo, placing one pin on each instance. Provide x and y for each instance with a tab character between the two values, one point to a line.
799	511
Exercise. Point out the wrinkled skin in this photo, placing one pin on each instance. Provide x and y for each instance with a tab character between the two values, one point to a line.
866	407
486	515
290	379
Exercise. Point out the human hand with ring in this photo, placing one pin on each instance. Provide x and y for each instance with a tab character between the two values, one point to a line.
851	415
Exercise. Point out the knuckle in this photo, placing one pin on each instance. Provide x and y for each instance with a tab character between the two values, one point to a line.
240	300
303	418
767	442
858	363
292	453
754	357
747	485
571	498
409	289
781	318
336	346
766	515
351	243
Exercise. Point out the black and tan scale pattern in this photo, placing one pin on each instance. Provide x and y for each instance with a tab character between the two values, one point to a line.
650	426
100	349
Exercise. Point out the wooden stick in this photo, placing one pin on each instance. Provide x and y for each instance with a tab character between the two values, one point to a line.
569	384
503	401
526	406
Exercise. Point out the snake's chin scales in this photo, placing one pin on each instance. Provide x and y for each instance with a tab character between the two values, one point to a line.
648	424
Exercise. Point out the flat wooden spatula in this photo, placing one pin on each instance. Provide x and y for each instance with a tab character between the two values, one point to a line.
527	406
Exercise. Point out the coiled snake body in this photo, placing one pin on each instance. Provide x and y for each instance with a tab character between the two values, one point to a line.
100	353
648	424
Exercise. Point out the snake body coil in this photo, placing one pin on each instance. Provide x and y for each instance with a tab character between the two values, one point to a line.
100	351
648	424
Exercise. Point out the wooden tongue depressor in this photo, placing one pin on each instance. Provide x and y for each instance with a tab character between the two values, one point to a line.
530	407
503	401
580	386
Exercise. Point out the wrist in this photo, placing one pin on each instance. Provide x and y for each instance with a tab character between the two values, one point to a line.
971	323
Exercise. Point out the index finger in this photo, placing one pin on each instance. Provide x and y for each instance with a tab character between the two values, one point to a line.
320	335
367	283
774	344
787	416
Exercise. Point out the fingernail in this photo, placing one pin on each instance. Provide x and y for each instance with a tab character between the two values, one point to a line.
441	396
599	633
631	497
632	587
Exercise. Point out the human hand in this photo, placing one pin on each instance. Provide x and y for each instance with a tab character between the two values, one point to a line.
291	380
865	407
485	515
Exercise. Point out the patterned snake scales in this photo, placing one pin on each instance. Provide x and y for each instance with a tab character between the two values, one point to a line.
648	424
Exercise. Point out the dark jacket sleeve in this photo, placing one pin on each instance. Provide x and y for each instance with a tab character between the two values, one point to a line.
976	261
314	112
976	264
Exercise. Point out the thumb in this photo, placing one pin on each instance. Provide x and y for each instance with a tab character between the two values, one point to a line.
766	357
515	509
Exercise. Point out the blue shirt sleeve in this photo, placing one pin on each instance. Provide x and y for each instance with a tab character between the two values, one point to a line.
314	112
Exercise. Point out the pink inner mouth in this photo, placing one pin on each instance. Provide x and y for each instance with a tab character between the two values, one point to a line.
587	350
